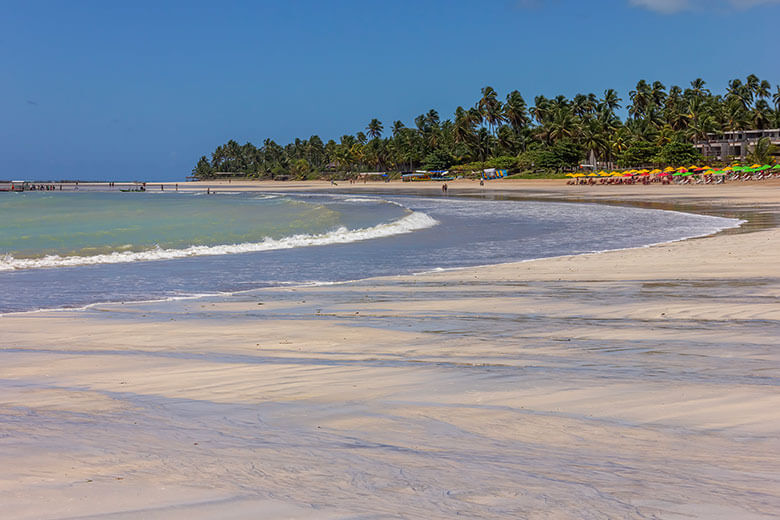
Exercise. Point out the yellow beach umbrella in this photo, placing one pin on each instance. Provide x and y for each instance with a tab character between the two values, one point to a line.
653	172
756	166
579	175
569	175
593	175
726	169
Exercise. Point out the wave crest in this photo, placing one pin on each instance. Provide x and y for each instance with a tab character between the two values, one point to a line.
408	224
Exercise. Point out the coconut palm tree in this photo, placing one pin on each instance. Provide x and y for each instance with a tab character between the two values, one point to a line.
776	98
375	128
763	152
697	88
611	100
641	99
490	108
516	111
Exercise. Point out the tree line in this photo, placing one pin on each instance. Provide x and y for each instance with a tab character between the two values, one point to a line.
660	127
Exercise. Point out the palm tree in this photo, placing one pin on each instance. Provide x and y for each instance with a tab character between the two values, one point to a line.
541	109
658	94
463	128
375	128
490	108
641	99
593	140
516	111
697	88
611	100
740	92
763	153
562	125
397	127
760	115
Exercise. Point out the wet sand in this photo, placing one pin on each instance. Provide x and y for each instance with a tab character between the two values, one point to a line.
630	384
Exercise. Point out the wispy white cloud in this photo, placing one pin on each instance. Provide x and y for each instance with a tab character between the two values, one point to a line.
676	6
663	6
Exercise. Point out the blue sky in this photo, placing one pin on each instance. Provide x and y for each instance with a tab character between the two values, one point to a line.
95	90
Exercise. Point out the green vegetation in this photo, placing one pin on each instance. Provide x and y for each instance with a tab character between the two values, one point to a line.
547	138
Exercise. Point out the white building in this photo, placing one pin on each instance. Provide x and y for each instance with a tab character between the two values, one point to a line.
736	144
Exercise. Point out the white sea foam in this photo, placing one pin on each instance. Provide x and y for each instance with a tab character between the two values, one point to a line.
408	224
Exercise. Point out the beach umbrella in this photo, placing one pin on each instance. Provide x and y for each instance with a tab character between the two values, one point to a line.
776	167
677	174
593	175
707	172
579	175
756	166
569	175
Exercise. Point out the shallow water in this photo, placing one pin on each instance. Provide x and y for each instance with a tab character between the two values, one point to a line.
156	246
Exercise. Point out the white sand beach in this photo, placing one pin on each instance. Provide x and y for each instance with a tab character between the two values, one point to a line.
631	384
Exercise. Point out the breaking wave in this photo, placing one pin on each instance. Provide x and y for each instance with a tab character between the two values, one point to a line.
413	222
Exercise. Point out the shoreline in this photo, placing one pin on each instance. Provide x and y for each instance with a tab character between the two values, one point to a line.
632	383
746	225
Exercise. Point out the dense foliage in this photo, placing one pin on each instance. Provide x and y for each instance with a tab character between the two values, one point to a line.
551	135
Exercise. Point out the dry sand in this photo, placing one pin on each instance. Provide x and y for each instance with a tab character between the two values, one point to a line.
630	384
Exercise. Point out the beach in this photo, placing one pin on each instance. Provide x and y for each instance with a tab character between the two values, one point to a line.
638	383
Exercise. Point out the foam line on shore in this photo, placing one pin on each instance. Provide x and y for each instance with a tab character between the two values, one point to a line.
413	222
711	232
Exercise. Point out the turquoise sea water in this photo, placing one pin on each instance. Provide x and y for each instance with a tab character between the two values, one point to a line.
54	229
73	249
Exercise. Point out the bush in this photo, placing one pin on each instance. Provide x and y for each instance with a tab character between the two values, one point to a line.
678	154
639	153
438	160
560	155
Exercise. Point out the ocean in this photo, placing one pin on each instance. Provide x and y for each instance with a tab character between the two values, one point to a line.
66	250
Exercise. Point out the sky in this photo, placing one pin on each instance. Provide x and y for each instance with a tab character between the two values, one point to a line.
139	90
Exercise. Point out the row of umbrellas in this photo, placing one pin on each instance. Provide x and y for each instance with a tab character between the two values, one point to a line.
682	171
